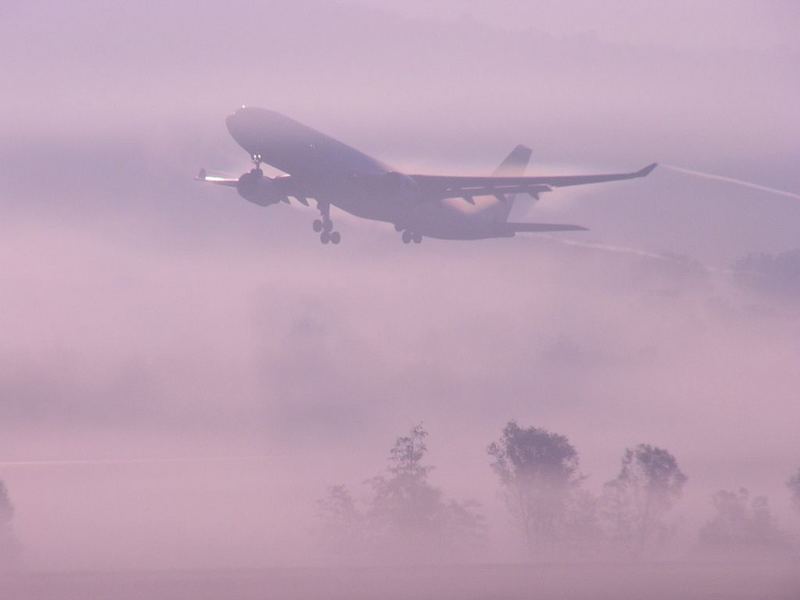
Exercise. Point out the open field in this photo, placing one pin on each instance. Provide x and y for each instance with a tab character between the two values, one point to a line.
564	581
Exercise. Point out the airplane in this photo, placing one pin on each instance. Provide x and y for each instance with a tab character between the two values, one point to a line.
320	168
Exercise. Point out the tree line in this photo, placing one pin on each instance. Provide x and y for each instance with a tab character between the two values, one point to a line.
403	515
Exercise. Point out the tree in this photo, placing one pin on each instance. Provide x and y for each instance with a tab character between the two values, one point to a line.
342	522
6	508
405	500
741	523
777	275
538	472
405	514
9	547
635	503
794	488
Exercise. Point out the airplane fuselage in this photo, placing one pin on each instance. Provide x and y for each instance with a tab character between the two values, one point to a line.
319	167
330	171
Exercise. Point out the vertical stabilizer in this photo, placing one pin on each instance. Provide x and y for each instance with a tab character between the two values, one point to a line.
514	165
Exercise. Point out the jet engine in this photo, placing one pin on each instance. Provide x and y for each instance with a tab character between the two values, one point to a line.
258	189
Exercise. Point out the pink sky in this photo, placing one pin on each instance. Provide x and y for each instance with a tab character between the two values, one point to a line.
145	316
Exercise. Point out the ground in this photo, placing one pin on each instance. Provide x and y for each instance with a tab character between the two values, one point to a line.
684	581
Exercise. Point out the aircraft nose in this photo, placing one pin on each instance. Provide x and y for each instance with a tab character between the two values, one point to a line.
243	127
236	123
234	118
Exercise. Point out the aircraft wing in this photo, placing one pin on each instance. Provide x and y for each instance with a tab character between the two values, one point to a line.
444	186
201	176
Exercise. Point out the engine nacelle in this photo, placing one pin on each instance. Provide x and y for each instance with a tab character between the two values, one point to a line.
256	188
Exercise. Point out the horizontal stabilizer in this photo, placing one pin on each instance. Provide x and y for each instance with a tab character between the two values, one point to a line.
538	227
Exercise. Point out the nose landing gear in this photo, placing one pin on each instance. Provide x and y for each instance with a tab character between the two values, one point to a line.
411	236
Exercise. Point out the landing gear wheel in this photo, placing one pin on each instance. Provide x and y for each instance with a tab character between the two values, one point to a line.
407	236
417	237
324	226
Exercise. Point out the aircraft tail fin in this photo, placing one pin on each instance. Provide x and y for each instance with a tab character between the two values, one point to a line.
514	165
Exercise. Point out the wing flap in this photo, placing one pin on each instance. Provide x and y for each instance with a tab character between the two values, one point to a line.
491	190
444	186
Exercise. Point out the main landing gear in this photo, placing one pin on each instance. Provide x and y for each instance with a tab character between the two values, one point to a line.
411	236
324	226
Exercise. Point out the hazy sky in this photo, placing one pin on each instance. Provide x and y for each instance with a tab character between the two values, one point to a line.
678	23
145	315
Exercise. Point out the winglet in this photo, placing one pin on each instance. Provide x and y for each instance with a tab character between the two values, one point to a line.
201	176
646	171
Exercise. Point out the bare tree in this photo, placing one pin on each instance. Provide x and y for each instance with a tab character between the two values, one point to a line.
637	501
741	523
405	500
405	514
538	471
794	489
413	511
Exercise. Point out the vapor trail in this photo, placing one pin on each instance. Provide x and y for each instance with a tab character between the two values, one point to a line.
749	184
610	248
126	461
630	251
